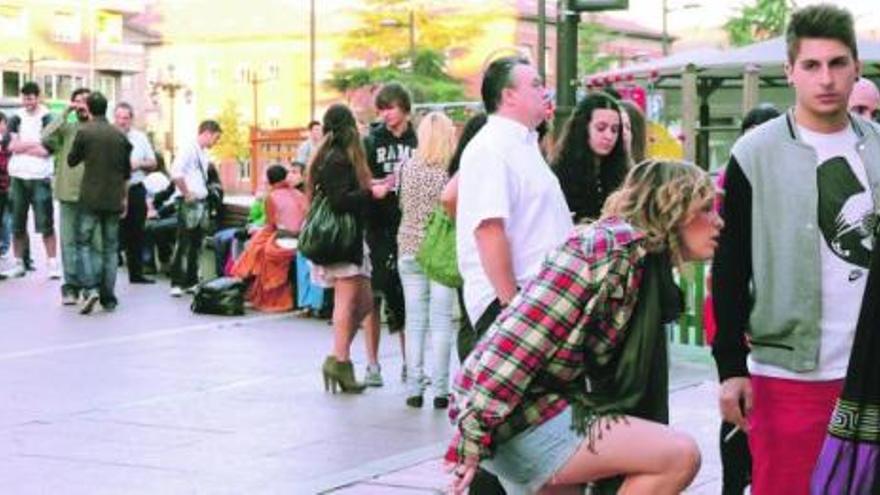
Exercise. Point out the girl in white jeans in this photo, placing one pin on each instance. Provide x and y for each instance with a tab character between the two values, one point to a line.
428	304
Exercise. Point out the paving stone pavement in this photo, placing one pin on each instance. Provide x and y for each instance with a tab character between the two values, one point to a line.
152	399
692	409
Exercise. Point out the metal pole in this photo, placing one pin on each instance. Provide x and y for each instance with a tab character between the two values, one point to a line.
312	99
31	64
665	29
93	42
566	62
412	38
542	39
254	83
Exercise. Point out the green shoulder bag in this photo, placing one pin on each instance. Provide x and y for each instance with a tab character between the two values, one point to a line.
437	255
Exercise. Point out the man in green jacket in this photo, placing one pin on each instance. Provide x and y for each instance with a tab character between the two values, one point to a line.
67	186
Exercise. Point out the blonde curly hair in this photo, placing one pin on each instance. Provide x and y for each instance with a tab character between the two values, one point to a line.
657	197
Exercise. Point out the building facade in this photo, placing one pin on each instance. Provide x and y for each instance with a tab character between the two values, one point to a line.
63	45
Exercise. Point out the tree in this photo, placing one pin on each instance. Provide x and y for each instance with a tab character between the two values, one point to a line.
382	39
763	20
234	143
426	80
590	58
384	28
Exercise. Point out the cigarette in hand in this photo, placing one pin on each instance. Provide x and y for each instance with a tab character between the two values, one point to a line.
729	436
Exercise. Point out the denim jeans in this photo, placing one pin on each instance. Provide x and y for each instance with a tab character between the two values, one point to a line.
32	193
185	263
6	227
99	263
223	241
69	221
428	306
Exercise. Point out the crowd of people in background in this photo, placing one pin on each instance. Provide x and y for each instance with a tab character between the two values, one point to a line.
564	254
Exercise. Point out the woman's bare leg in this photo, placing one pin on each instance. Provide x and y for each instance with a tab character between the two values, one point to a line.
653	458
352	300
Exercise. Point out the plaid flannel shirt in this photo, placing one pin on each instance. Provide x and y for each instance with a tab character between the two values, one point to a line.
568	319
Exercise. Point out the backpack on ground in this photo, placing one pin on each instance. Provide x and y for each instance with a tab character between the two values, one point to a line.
219	296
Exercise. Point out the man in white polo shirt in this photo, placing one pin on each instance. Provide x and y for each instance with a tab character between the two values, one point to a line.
143	161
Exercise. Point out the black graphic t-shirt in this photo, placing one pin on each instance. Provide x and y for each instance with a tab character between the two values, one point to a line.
845	218
386	153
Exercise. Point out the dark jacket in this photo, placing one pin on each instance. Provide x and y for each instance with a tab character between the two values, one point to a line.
105	153
337	180
585	190
385	152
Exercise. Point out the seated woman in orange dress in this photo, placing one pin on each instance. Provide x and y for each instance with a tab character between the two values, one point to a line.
266	261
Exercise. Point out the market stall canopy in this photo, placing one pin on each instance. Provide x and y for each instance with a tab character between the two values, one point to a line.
769	56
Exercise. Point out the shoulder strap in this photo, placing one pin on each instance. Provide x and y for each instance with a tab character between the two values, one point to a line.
202	171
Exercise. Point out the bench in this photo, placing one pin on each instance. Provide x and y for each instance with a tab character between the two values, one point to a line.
235	215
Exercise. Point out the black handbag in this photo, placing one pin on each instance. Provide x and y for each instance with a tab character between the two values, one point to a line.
219	296
328	236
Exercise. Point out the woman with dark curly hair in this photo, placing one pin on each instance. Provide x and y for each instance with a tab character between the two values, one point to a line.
590	158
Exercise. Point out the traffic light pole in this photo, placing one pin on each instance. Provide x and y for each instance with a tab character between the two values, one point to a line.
568	16
566	62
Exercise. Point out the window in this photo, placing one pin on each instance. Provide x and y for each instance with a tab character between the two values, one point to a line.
13	22
49	86
242	73
273	113
64	86
109	27
107	84
11	84
273	71
213	75
66	27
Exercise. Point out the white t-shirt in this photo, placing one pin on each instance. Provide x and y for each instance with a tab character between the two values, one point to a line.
187	165
30	130
845	214
140	151
503	175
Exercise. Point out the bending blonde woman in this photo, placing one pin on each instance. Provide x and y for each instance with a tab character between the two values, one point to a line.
555	397
428	303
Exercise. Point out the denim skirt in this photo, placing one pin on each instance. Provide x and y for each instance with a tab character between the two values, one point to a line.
527	461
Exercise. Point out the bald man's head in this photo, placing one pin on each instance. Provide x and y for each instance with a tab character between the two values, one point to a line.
864	99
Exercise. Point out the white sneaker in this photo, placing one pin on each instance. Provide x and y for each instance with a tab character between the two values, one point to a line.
54	269
91	298
176	292
17	270
191	290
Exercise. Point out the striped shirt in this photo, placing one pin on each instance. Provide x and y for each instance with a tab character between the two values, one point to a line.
566	321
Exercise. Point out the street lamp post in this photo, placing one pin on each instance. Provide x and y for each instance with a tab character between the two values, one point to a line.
171	86
312	60
255	80
666	11
411	26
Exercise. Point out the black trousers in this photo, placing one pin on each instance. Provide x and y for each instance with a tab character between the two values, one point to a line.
736	461
484	482
132	230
